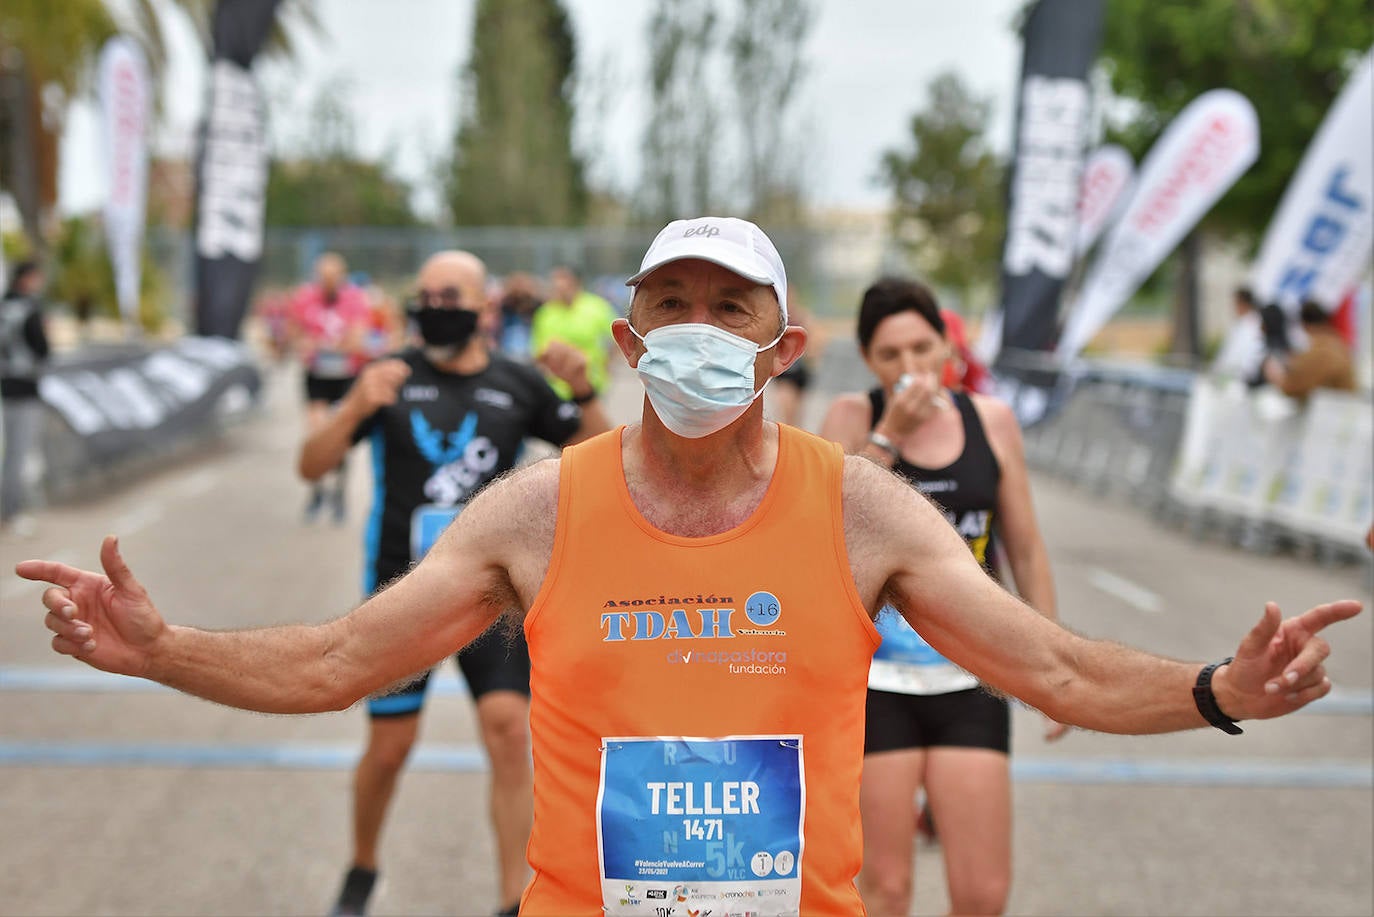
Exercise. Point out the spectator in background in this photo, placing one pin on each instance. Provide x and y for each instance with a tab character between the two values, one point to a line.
329	325
1242	350
23	351
520	298
1324	363
1279	332
577	317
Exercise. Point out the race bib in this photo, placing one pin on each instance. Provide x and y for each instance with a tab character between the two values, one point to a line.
906	664
694	826
427	523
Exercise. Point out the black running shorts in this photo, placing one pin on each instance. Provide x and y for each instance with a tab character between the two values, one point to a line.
495	661
961	719
322	388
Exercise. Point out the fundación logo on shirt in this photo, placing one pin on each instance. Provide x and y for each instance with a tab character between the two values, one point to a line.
713	617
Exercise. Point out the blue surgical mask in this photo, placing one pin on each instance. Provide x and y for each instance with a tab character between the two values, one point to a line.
699	378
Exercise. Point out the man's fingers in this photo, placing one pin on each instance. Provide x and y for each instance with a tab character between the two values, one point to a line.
1310	657
48	571
1315	677
115	568
1314	619
1258	639
76	631
1305	696
72	648
58	599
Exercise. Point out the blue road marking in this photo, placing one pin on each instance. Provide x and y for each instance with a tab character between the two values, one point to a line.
469	758
1325	774
1319	773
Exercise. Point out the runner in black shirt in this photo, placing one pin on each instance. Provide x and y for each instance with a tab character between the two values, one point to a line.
443	420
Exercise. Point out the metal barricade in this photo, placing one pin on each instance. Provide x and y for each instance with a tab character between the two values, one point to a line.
1254	467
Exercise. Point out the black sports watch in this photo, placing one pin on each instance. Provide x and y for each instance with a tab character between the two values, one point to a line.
1207	701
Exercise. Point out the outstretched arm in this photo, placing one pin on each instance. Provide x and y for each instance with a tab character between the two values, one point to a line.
925	569
108	621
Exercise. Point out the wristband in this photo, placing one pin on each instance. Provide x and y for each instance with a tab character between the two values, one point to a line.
1207	701
583	399
885	444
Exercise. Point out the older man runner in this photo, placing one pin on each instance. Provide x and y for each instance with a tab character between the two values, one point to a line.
697	591
444	420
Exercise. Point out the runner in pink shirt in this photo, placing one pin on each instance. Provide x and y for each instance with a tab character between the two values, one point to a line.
329	322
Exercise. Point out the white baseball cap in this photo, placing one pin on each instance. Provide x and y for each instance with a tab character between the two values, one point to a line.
736	245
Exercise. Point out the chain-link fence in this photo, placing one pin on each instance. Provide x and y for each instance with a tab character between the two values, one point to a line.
828	269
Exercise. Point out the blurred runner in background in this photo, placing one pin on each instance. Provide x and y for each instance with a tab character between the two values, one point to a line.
931	725
329	321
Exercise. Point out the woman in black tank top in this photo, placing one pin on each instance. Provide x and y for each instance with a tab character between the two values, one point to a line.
929	724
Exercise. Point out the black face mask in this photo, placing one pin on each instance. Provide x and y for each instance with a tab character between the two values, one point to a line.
445	327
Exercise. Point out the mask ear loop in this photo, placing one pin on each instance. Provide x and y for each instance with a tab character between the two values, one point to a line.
774	342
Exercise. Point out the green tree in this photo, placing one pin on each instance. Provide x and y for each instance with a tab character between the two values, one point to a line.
513	156
326	182
337	191
83	278
947	190
47	52
47	55
1290	58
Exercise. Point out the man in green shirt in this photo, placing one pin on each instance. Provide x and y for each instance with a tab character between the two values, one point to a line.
580	318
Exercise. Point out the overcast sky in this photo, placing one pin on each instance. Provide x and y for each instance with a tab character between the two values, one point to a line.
870	62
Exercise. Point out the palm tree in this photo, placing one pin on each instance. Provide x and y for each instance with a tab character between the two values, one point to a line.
47	55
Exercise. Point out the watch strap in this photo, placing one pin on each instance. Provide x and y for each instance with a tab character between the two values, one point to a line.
1207	701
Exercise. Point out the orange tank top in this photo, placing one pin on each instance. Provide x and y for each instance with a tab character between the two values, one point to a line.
698	703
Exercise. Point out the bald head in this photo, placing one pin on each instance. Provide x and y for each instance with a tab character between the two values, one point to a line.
331	270
454	269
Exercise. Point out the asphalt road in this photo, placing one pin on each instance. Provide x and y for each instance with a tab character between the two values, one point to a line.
124	798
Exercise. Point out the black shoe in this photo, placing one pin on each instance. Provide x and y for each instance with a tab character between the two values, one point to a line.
512	911
357	888
312	509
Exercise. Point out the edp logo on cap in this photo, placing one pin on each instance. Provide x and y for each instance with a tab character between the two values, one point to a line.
707	230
